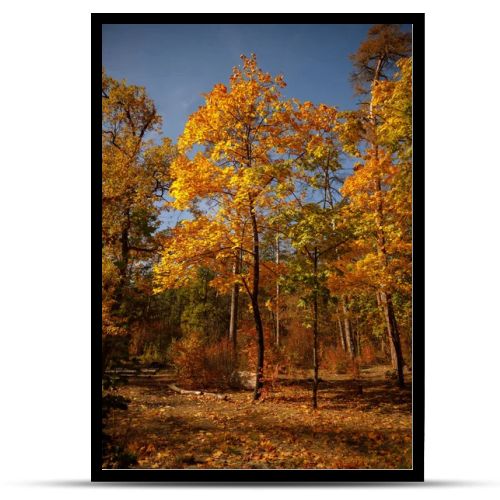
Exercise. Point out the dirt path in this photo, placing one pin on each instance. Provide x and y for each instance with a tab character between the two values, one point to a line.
168	430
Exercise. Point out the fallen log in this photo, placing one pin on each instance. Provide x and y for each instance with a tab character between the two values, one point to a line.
121	371
183	391
174	388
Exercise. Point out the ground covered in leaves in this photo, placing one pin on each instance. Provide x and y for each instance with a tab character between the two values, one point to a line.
163	429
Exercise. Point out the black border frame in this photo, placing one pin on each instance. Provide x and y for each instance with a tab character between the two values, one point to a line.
264	476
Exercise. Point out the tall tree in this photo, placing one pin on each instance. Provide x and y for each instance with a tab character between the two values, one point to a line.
135	175
376	57
372	190
309	220
242	133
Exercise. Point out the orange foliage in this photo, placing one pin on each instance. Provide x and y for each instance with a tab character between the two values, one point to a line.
202	365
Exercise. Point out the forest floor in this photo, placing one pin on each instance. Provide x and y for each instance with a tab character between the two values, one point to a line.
167	430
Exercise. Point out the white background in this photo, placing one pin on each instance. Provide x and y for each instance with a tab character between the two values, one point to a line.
45	249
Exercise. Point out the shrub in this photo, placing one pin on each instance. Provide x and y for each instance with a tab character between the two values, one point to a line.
337	360
368	355
153	354
298	347
273	359
202	365
187	357
219	364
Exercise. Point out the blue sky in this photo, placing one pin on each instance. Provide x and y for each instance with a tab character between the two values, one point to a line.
178	62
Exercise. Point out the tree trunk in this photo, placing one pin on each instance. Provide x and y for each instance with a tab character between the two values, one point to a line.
342	338
277	292
385	297
394	356
382	345
358	339
392	328
348	329
315	332
233	321
350	343
124	256
259	374
390	319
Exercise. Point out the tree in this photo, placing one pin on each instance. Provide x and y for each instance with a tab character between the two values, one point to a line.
242	133
381	185
377	56
134	178
309	220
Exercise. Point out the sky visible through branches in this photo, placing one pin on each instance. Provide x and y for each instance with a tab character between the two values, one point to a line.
179	63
